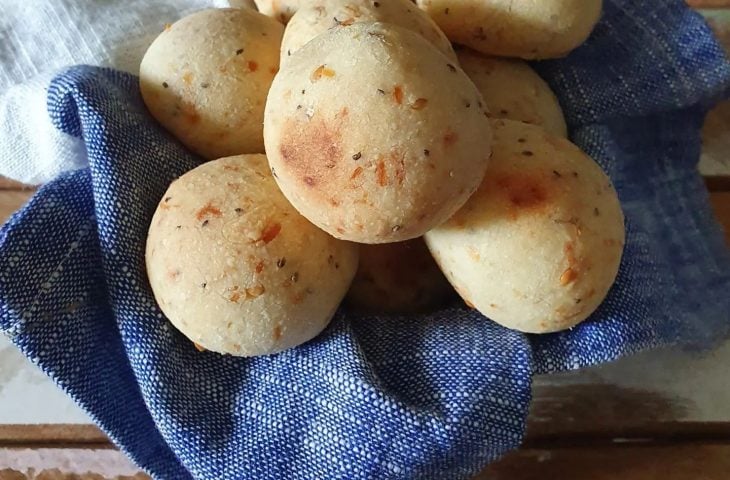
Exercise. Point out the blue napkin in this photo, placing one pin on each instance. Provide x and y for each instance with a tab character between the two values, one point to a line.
373	397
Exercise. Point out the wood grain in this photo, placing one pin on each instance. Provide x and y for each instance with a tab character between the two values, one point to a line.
622	461
709	3
66	464
7	184
721	205
12	200
57	436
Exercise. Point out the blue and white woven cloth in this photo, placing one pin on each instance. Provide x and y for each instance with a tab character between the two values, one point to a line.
423	397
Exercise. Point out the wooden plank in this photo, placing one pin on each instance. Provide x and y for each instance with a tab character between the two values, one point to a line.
57	435
7	184
66	464
721	204
715	159
56	474
670	462
12	200
709	3
718	183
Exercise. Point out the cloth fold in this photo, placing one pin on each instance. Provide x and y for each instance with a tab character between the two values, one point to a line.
39	38
402	397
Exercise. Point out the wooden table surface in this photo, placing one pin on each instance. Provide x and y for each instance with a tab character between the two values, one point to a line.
659	415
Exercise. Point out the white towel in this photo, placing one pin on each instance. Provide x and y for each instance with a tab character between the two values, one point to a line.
40	37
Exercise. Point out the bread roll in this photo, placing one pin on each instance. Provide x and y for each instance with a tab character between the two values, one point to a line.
235	268
317	16
538	247
398	278
374	135
282	10
206	77
242	4
516	28
513	90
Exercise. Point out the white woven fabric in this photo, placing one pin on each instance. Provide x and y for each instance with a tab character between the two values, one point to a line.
40	37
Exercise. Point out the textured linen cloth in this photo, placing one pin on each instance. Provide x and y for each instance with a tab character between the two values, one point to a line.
434	396
40	37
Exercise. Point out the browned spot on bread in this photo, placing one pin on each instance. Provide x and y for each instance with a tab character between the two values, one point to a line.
381	174
168	27
340	230
255	292
209	210
270	232
567	312
569	276
469	304
252	66
311	149
198	347
493	305
459	220
235	297
523	191
474	253
569	250
297	298
192	117
419	104
276	334
321	71
571	273
400	166
173	274
273	70
334	202
450	138
187	78
398	94
356	173
260	267
189	112
232	168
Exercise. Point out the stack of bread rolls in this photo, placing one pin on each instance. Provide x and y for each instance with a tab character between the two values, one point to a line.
357	156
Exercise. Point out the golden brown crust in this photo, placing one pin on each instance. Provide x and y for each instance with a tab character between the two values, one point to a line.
317	16
205	79
236	268
512	90
373	135
538	246
516	28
